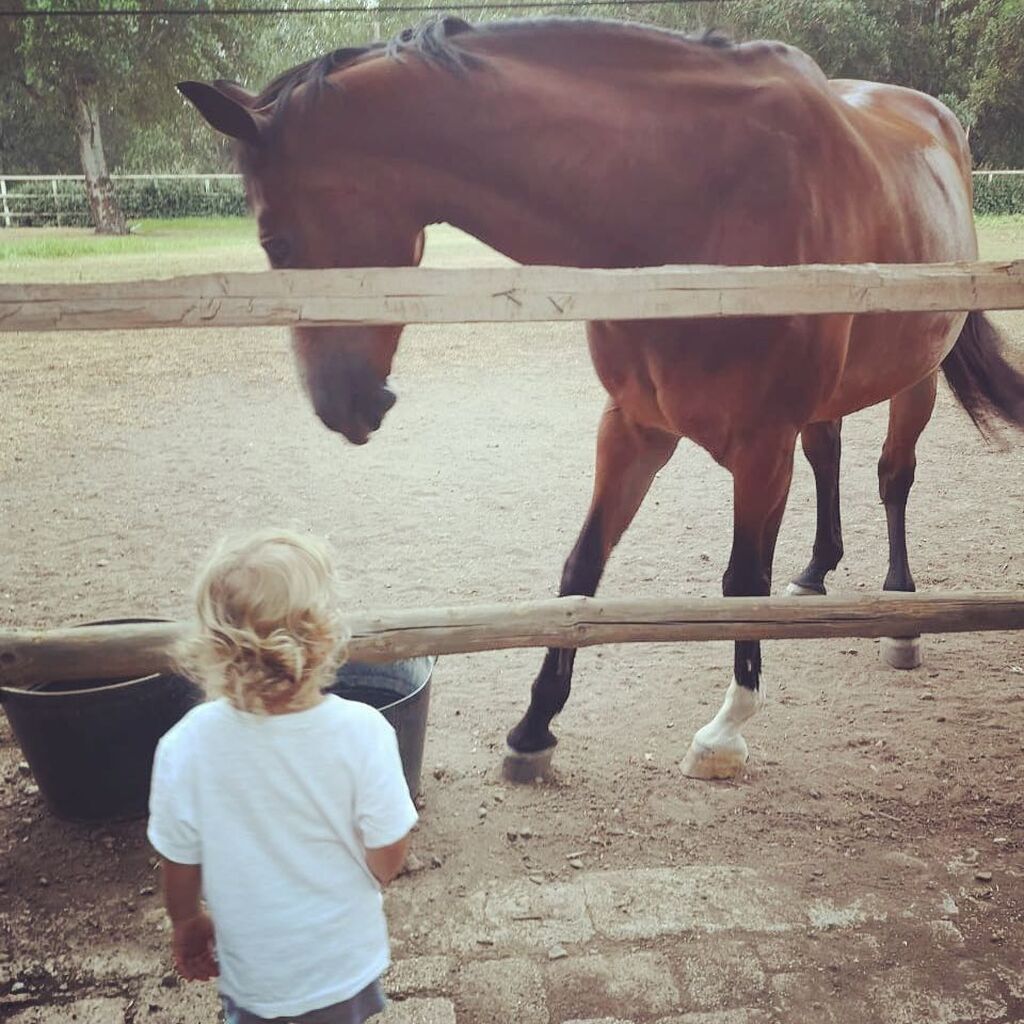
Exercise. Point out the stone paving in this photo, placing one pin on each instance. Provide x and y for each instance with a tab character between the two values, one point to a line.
696	945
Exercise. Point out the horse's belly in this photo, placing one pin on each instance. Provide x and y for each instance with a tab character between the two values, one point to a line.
887	354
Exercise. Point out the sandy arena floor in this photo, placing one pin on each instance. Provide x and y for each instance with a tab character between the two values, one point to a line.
870	866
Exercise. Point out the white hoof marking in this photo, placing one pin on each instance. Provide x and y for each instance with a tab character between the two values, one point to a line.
719	750
723	762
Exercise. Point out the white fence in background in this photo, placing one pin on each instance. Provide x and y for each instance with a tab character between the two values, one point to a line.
10	213
12	210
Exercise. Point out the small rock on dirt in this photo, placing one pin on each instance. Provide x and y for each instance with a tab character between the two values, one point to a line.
983	876
412	865
557	953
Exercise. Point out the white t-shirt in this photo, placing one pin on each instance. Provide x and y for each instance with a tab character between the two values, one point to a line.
277	809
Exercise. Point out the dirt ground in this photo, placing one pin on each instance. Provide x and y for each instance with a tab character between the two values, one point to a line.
123	456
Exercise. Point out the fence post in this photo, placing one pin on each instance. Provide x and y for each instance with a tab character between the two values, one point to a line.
56	200
3	197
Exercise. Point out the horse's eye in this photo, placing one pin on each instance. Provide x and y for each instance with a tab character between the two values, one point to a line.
277	250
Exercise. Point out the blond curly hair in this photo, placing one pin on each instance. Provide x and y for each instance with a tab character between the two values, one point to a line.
269	633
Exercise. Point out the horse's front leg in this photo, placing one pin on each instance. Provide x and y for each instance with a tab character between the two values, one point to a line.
628	457
761	471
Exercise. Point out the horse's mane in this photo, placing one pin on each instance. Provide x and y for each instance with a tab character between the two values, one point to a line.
435	41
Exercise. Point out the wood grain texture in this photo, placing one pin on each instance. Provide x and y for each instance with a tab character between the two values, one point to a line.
122	651
506	294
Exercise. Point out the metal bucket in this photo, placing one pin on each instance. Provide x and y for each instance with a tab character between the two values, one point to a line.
400	690
90	745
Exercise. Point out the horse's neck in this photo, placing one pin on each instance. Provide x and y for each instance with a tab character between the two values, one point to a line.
577	181
618	167
518	197
541	177
516	225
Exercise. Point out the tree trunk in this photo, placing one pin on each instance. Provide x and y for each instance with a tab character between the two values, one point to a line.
106	213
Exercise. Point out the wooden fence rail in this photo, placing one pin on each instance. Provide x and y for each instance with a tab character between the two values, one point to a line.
407	295
28	657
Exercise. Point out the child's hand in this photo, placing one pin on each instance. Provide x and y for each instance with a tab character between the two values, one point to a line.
193	948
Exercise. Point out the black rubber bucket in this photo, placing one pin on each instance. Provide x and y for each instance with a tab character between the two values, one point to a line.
400	690
90	745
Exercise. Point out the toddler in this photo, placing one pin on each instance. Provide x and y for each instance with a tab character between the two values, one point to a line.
283	808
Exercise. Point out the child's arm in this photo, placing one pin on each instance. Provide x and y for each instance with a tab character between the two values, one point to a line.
384	811
386	861
193	929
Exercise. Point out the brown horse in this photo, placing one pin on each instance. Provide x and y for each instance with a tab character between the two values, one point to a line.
600	144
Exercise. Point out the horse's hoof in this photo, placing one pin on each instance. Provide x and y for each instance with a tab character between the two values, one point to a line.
528	766
795	589
903	652
707	763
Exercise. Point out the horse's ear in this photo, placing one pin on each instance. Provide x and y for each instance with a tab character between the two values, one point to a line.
224	109
235	91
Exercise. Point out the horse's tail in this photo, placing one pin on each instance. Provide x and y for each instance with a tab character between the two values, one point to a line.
984	382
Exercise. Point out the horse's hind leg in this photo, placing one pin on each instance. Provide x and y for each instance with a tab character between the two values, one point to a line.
823	447
909	413
761	476
628	457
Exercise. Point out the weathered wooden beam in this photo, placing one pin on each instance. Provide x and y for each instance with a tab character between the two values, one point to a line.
123	651
408	295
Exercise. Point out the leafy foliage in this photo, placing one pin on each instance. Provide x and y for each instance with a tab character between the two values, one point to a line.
999	194
968	52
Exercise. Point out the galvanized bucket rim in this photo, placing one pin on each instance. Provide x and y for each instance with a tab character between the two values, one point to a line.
431	658
37	691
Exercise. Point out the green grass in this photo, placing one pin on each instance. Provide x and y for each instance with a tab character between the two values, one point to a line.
1001	237
148	236
165	248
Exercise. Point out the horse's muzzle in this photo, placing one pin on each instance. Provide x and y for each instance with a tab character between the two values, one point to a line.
359	417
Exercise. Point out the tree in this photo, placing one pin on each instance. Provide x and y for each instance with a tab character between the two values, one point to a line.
994	94
87	71
28	143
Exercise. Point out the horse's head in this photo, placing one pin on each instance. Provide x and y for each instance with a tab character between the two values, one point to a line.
314	212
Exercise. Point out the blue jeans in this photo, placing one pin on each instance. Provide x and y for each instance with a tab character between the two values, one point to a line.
362	1005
